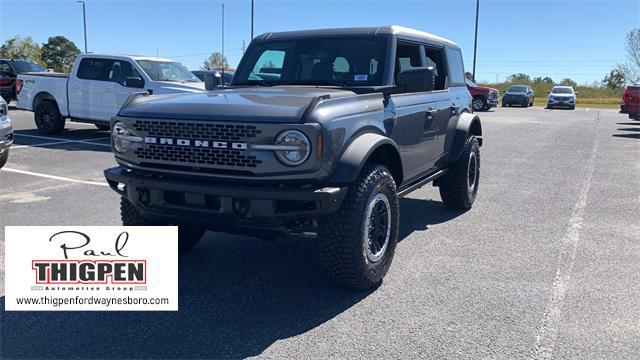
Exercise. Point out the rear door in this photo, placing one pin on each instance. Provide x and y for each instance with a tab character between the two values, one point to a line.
87	89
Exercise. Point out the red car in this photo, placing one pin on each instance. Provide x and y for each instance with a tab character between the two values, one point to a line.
631	99
484	97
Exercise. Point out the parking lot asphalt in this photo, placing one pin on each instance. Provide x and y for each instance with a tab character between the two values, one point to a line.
545	265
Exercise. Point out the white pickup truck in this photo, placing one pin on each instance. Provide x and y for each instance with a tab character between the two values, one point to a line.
97	87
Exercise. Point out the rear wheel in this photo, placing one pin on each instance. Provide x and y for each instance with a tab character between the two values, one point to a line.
356	245
459	186
4	157
48	118
188	235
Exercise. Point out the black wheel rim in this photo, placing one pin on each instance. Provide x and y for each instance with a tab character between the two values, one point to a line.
377	227
478	104
44	118
472	172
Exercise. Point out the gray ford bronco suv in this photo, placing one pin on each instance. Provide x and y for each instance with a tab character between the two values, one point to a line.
319	134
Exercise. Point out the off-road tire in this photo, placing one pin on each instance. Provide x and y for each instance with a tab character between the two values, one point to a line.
341	245
48	118
102	127
188	236
454	185
480	103
3	158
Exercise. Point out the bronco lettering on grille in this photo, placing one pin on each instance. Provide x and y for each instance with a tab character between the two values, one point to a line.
196	143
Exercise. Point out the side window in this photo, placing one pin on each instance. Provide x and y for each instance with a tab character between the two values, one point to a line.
269	65
407	56
436	61
120	70
456	67
94	69
4	67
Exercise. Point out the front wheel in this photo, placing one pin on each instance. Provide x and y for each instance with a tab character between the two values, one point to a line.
188	236
459	186
479	103
356	245
4	157
48	118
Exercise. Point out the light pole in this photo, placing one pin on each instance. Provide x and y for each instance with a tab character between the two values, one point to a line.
84	20
222	79
475	41
251	19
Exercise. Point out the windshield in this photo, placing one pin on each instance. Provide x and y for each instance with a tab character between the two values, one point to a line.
334	61
26	66
517	89
562	91
166	71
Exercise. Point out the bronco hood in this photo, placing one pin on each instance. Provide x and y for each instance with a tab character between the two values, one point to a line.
254	104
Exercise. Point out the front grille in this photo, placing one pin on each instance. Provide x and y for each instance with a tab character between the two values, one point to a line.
197	156
493	96
196	130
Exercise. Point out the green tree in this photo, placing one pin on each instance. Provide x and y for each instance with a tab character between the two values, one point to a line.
568	82
215	61
519	78
21	48
615	79
59	53
542	80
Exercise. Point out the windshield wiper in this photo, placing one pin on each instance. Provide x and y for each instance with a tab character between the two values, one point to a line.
255	82
314	83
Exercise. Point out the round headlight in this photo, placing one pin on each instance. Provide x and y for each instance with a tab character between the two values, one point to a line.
118	135
296	147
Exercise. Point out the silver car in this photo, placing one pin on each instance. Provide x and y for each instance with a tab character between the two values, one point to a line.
6	133
562	96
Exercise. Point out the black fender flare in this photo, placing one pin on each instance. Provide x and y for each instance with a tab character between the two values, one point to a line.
356	155
468	124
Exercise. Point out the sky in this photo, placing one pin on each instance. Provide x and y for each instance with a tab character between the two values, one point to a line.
579	39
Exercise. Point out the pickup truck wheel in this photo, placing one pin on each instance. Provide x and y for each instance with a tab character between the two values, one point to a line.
103	127
3	158
48	118
188	236
459	186
479	103
356	245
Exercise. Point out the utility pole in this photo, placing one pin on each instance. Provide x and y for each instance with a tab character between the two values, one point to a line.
252	19
84	20
222	79
475	41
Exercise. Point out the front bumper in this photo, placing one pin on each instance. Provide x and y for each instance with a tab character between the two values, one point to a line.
561	103
6	135
220	206
511	99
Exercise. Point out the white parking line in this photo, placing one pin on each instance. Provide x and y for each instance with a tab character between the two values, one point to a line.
61	178
62	141
588	109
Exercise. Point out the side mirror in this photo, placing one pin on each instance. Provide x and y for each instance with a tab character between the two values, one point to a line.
211	81
419	79
576	93
134	82
548	92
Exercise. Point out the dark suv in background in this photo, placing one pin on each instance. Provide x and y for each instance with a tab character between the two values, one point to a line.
522	95
9	70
